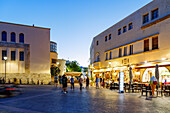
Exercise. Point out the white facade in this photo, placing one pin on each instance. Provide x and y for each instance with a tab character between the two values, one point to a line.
138	29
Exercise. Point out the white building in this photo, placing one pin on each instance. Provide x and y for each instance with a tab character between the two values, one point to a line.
140	40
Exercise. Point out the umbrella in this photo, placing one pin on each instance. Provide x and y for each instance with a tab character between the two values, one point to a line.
157	72
130	74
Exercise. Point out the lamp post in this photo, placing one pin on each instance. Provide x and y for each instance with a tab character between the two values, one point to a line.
5	58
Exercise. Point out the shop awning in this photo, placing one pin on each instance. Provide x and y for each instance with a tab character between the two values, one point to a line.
144	67
73	73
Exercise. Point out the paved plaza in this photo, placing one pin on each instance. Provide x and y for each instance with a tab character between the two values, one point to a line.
47	99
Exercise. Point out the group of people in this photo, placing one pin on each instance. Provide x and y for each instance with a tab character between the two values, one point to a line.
63	82
100	82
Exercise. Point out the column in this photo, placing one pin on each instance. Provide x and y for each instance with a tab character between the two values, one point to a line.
150	43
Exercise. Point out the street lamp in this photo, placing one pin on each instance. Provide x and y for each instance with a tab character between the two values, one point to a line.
5	58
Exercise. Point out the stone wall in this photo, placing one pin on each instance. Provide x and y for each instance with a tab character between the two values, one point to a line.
23	78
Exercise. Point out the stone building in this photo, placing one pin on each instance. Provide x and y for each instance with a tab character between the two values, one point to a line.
27	49
60	63
140	41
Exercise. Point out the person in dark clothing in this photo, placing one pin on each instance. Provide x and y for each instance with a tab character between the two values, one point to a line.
81	82
103	82
87	82
72	82
64	82
55	80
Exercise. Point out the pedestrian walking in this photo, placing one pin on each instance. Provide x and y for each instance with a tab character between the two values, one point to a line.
103	82
72	82
81	82
0	81
55	80
97	82
87	82
64	83
60	81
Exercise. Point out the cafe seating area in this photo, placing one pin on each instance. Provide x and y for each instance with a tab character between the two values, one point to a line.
143	88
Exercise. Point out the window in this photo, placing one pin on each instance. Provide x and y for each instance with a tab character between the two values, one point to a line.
106	56
4	54
125	51
131	50
119	31
12	55
105	38
21	38
130	26
54	60
155	13
98	58
124	29
110	55
154	43
97	43
21	56
110	36
120	52
53	47
4	36
145	18
12	37
146	45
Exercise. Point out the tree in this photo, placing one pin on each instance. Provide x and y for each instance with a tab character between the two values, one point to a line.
54	70
85	69
73	66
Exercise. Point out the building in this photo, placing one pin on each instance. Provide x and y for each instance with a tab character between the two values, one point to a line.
140	41
27	49
53	53
60	63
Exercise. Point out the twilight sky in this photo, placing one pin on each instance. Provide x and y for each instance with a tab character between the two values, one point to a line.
73	23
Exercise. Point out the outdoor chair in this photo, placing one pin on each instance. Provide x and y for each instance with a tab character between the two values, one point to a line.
126	87
131	88
167	90
146	89
134	87
159	90
139	87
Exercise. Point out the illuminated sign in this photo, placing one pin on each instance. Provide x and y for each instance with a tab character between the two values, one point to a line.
121	82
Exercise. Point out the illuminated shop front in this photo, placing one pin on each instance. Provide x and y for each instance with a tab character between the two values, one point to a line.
163	74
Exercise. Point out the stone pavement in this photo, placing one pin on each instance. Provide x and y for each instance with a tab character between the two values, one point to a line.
47	99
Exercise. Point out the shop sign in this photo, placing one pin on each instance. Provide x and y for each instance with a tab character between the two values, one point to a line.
121	82
125	61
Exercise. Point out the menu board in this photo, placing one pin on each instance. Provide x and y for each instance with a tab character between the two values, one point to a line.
121	82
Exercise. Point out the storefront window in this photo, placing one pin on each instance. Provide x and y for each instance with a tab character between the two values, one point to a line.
164	74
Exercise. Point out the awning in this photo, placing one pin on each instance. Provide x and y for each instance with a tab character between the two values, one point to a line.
144	67
73	73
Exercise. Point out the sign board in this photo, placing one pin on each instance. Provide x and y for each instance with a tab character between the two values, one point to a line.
125	61
121	82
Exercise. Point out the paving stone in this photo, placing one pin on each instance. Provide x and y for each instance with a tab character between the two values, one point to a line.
50	100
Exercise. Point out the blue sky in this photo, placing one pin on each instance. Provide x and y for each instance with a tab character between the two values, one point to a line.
73	23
